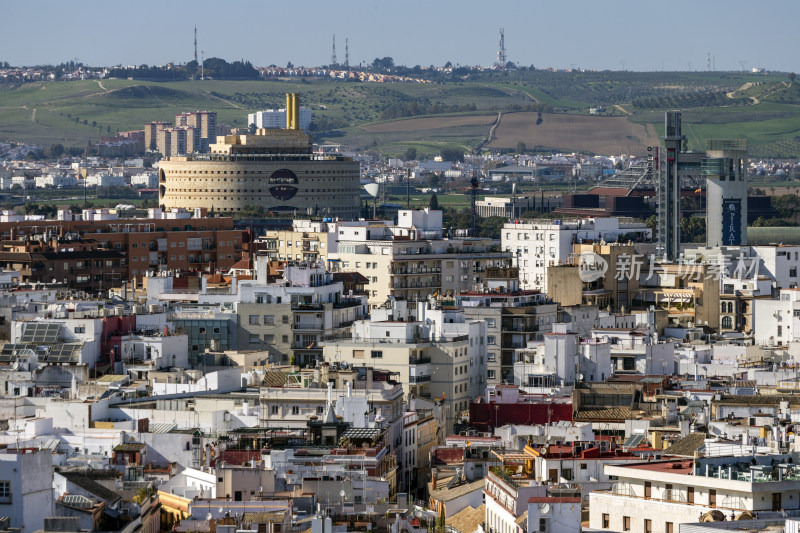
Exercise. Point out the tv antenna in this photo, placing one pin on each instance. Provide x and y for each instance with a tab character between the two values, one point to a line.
195	43
742	63
346	53
202	61
333	52
708	61
501	50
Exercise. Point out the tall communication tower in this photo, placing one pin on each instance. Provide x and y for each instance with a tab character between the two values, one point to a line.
475	185
501	50
346	53
333	52
195	43
669	188
708	61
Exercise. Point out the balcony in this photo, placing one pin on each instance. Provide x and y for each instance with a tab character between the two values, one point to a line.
307	307
429	285
513	345
416	271
307	346
307	326
419	379
520	328
419	360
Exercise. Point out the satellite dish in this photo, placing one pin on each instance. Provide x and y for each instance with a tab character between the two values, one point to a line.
544	508
342	493
372	189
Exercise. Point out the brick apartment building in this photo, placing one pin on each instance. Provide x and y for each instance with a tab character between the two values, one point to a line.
94	255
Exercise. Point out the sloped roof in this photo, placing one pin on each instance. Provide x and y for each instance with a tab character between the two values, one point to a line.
129	447
758	400
612	413
442	493
274	378
92	487
686	446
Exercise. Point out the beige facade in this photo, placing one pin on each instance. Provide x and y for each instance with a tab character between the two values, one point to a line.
297	245
415	270
272	170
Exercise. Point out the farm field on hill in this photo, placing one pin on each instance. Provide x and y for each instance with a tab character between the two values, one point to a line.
601	135
429	123
388	118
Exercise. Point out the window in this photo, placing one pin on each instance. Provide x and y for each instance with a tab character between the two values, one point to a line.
648	525
626	523
273	409
605	521
376	354
80	329
712	498
490	339
295	410
793	272
5	492
490	322
566	473
285	319
542	524
254	320
780	331
490	374
285	338
583	466
255	338
269	320
727	322
269	339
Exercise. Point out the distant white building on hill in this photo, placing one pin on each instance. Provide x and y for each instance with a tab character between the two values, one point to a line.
276	118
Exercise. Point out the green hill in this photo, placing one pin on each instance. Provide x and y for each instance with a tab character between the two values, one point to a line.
762	108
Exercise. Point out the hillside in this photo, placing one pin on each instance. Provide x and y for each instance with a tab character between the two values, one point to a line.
389	118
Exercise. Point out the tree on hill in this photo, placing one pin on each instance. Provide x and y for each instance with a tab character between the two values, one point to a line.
387	63
434	203
452	154
792	76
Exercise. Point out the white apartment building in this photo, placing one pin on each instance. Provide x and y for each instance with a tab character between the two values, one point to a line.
433	350
777	321
562	359
276	118
26	488
780	263
105	180
538	244
412	260
658	496
148	180
55	181
637	351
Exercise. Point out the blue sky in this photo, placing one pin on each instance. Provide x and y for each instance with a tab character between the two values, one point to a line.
639	34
